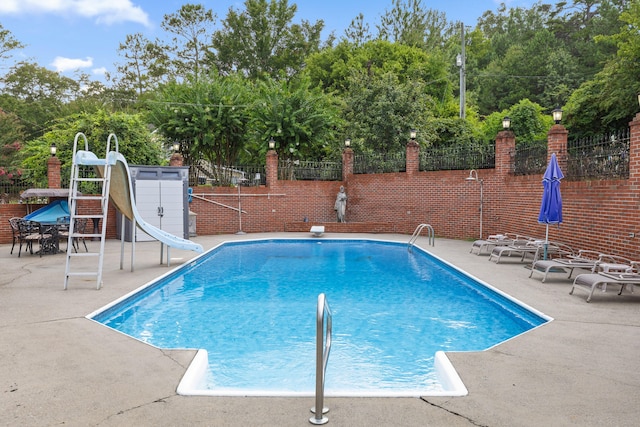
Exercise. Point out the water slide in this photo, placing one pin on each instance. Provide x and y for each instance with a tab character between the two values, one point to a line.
121	195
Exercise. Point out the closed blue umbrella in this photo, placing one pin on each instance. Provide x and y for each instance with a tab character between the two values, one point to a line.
551	206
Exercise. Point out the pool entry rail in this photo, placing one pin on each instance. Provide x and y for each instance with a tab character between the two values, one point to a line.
430	234
323	347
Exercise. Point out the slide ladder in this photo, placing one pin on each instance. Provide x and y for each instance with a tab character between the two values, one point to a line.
82	171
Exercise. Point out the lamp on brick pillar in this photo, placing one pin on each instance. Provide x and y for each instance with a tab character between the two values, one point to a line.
557	115
473	176
506	123
176	158
53	168
557	138
412	153
271	167
347	160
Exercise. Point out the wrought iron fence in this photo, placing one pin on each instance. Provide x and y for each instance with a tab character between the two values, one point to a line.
309	170
530	158
246	175
380	163
603	156
12	187
458	157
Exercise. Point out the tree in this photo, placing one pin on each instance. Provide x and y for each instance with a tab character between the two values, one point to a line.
146	66
411	24
380	111
11	140
608	101
37	95
7	43
262	41
191	26
302	119
135	142
333	68
358	32
208	117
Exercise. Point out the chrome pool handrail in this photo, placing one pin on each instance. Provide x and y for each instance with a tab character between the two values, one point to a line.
323	347
431	235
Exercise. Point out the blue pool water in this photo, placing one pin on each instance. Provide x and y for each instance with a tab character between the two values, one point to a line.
252	306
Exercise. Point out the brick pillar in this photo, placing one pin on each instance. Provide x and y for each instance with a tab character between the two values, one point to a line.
505	149
53	172
176	159
634	149
413	157
271	168
347	163
557	143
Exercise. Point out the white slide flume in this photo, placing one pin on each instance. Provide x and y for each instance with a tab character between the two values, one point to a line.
121	194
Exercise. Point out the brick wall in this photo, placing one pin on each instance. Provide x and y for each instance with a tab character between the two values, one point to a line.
598	215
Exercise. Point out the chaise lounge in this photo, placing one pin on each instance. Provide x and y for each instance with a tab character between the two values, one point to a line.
589	282
583	260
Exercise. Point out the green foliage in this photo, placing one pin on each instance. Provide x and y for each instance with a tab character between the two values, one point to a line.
528	122
8	43
262	41
134	141
191	27
37	95
208	117
381	110
301	119
608	101
333	68
11	137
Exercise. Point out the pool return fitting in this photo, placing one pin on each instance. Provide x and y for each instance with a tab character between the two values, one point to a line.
323	347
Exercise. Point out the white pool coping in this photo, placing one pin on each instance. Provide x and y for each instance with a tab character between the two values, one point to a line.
446	374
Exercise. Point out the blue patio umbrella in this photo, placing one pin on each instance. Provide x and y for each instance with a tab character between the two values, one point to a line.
551	206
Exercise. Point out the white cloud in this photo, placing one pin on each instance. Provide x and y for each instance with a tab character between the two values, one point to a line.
62	64
99	71
104	11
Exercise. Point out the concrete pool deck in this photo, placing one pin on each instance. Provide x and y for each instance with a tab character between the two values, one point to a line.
57	367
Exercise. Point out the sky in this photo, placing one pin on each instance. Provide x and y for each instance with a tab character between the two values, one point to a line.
70	35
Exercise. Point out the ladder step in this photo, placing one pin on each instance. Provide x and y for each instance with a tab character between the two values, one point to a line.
87	198
88	179
89	216
83	254
82	273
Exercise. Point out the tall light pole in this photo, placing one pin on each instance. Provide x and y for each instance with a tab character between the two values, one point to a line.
460	62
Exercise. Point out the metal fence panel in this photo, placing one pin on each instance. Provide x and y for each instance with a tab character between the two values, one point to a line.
603	156
530	158
458	157
380	163
302	170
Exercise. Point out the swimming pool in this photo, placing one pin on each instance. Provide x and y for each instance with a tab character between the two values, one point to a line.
251	305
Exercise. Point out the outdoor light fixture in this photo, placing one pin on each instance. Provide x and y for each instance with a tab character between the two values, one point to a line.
272	143
639	98
412	134
506	123
473	176
557	115
53	149
347	142
176	147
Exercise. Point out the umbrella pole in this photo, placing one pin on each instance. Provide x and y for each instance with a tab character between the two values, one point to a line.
546	242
